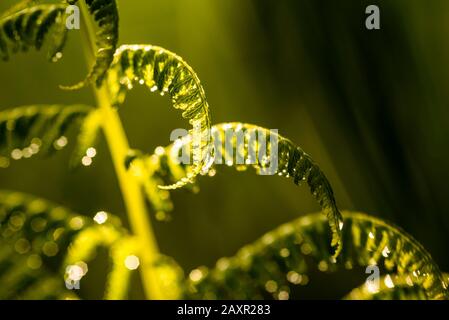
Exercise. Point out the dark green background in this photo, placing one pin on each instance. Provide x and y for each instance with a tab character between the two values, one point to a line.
371	107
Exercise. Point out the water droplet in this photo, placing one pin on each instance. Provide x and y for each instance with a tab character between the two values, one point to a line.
36	141
22	246
132	262
91	152
304	280
283	295
409	281
323	266
4	162
101	217
159	151
294	277
16	154
250	161
17	221
27	152
76	223
57	57
271	286
34	261
86	161
77	271
161	216
306	249
267	239
386	252
388	281
284	252
196	275
223	264
50	249
60	143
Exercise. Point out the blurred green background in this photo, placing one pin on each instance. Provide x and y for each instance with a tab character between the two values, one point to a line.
371	107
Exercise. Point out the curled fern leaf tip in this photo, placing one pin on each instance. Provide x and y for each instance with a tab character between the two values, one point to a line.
291	160
161	70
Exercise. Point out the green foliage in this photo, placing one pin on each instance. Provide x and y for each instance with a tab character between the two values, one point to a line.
25	131
105	14
284	257
29	25
163	71
34	235
41	243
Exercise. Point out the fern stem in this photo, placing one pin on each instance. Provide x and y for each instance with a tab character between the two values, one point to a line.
130	188
132	194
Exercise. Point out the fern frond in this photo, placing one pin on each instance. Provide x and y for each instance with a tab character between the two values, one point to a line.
42	244
122	247
105	14
284	257
34	234
25	131
30	25
390	287
163	71
251	151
